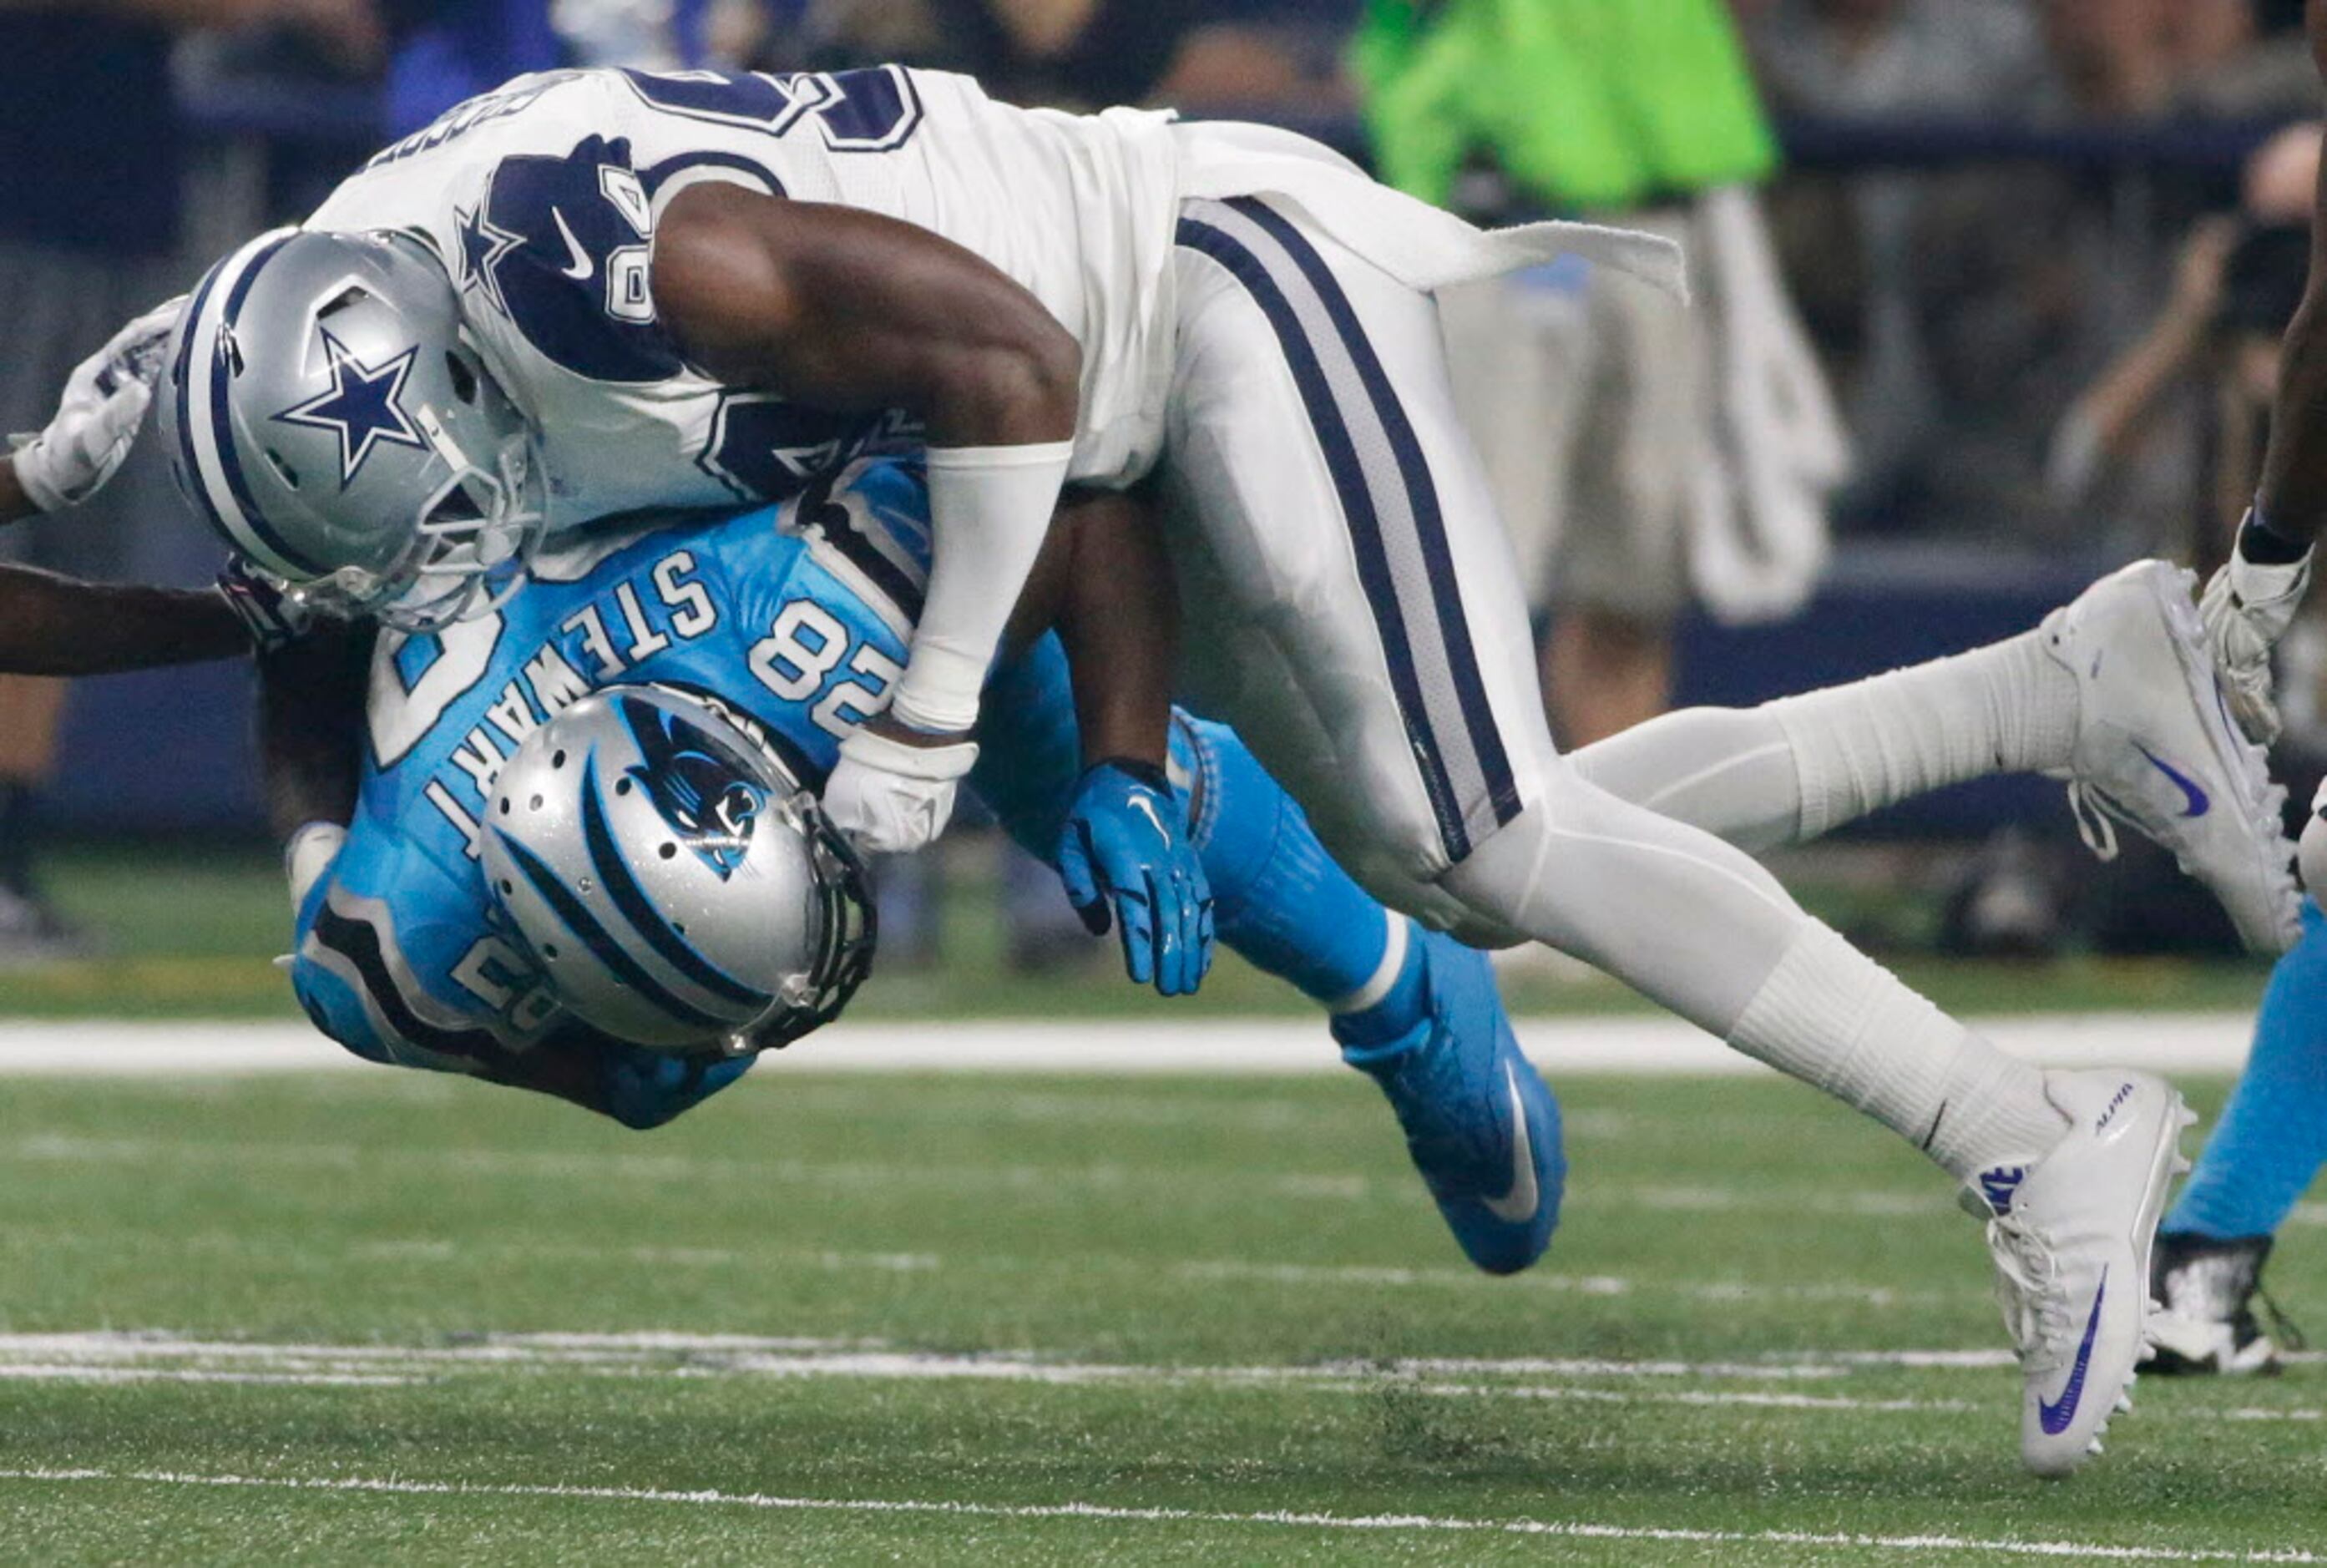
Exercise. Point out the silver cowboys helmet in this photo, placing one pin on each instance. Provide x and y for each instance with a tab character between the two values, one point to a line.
326	414
678	886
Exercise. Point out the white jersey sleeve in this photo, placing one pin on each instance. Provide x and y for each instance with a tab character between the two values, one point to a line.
542	196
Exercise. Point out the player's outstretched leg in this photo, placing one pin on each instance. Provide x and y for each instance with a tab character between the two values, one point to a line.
2262	1155
1355	580
1415	1012
2114	692
1420	1016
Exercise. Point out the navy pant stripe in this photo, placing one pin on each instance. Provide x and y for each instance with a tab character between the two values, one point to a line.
1421	492
1390	504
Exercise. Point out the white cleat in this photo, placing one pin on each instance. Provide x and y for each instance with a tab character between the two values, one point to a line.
2071	1235
2155	749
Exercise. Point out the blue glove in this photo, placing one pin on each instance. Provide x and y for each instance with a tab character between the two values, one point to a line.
1126	845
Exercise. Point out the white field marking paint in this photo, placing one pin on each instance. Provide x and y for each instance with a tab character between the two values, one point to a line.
67	1372
1568	1530
111	1355
2159	1041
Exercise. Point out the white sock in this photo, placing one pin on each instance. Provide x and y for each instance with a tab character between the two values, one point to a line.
1833	1017
1799	767
2007	708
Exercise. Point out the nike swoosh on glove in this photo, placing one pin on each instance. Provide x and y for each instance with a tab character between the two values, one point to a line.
2247	609
97	420
273	620
1124	849
890	798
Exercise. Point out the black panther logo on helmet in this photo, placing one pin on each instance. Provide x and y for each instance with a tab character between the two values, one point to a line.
702	788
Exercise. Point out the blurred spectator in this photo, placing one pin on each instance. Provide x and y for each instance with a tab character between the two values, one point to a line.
449	51
1091	53
1645	457
91	234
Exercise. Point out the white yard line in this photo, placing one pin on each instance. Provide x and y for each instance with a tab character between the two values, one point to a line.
114	1356
2161	1042
1104	1513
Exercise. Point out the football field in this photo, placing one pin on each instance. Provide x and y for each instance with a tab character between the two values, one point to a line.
364	1315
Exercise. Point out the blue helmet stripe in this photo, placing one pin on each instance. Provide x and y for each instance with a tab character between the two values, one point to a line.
221	427
197	490
632	901
601	942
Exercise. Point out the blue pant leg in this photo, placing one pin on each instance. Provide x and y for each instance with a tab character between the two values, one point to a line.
2272	1138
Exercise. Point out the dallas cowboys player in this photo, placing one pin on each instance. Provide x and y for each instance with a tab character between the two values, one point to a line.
695	286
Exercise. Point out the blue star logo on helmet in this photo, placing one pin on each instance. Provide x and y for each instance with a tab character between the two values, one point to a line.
364	406
697	784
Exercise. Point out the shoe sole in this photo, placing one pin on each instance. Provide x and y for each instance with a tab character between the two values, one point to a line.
2165	1163
2243	763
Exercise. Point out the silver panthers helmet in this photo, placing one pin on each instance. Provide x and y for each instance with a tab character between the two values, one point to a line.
325	413
678	886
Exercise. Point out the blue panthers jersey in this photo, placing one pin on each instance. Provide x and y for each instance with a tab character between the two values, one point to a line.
798	618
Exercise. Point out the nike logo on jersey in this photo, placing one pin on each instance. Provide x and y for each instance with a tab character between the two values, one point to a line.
2190	787
1518	1206
581	265
2054	1416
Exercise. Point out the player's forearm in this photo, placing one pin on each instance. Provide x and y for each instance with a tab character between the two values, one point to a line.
311	727
2293	492
1119	619
14	504
58	626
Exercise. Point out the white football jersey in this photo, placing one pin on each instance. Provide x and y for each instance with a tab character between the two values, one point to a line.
541	199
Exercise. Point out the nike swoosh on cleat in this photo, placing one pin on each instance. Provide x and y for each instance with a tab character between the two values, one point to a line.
1518	1206
2054	1416
583	267
2199	804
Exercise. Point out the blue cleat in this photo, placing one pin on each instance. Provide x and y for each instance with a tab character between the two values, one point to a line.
1481	1123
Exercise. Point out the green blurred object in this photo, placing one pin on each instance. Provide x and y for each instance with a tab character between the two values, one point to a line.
1585	104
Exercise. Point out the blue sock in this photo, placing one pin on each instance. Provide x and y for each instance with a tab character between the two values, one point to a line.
1278	899
2273	1136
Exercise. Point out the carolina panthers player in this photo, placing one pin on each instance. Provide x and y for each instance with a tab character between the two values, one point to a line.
695	285
2272	1139
645	895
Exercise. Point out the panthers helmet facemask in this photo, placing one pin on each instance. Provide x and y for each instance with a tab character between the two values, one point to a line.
327	415
676	885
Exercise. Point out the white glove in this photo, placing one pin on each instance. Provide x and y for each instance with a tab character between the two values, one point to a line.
890	798
2247	609
97	421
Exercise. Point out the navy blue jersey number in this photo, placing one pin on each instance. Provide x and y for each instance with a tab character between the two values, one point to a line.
563	248
875	110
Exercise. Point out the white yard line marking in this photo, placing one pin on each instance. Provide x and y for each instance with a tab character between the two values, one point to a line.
117	1356
2159	1041
1102	1512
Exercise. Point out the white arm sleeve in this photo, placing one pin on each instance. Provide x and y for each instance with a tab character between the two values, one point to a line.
989	510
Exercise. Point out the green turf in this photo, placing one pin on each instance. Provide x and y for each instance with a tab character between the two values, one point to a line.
191	931
1172	1230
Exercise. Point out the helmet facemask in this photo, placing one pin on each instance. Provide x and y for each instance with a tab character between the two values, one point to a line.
470	543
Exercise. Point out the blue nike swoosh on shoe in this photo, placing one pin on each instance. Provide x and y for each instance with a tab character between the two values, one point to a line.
2054	1417
2199	804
